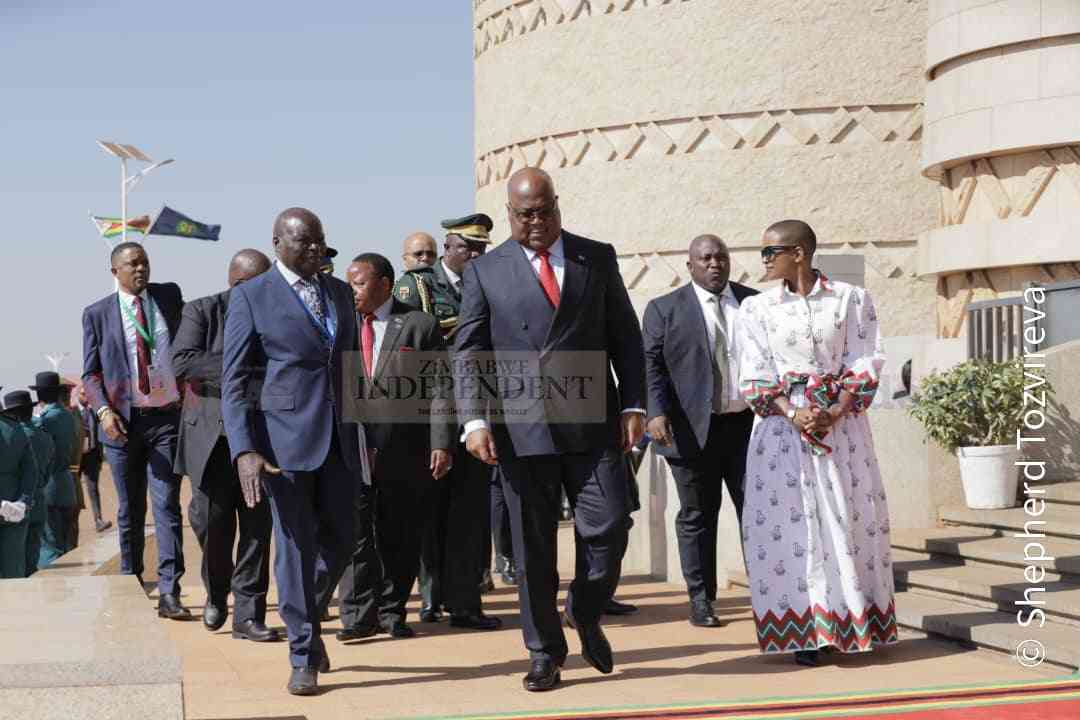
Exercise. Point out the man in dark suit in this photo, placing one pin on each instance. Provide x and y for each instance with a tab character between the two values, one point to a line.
91	459
217	505
549	304
696	415
129	380
409	457
288	329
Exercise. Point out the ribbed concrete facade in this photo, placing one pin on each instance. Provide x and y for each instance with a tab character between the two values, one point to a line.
664	119
1002	139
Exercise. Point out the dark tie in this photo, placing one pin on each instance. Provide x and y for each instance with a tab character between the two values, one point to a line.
547	278
142	350
367	343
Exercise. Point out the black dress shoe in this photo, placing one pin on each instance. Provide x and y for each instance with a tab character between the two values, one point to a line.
614	607
357	633
486	583
595	647
169	606
543	675
398	629
304	681
475	621
702	615
430	614
214	616
254	630
807	658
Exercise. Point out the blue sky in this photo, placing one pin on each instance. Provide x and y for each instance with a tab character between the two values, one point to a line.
361	111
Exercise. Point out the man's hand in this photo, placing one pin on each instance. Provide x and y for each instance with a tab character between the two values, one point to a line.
660	430
441	462
481	445
250	467
633	429
113	425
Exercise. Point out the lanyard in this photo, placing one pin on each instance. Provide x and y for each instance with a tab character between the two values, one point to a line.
147	332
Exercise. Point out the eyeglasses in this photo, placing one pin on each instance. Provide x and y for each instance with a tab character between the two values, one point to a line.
770	251
540	213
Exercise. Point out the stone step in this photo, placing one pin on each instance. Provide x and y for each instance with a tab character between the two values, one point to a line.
1058	520
987	628
1061	492
999	587
961	620
985	545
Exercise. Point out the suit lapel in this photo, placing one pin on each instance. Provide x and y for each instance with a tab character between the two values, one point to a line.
342	310
114	329
575	280
695	317
394	325
524	281
291	306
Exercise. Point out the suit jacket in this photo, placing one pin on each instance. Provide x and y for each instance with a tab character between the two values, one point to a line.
412	337
269	335
505	310
106	370
198	353
678	362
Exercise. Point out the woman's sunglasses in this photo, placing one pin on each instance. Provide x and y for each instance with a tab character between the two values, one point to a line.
770	251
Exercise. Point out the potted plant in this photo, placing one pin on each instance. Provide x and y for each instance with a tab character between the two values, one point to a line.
975	410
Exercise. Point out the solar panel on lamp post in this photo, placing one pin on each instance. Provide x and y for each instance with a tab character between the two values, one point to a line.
125	153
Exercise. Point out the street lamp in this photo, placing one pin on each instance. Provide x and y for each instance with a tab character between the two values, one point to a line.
125	153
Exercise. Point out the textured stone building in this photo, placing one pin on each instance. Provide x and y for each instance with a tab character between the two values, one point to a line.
1002	140
664	119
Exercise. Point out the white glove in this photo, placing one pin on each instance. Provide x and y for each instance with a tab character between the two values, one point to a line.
7	510
19	512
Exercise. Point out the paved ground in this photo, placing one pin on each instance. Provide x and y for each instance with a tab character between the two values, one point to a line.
660	659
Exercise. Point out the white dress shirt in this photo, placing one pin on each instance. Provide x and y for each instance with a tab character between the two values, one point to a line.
733	401
292	278
160	355
382	319
453	277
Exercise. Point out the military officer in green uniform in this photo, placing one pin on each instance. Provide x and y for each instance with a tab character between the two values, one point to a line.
42	452
60	499
18	480
454	545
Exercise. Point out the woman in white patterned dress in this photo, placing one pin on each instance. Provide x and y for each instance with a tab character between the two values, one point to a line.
815	521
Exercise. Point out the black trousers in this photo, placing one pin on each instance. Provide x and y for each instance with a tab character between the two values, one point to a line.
500	518
596	486
403	498
90	473
698	482
362	584
216	512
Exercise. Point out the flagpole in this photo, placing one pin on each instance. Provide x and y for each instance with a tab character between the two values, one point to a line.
123	199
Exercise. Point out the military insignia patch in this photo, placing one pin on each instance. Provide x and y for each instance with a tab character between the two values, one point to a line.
403	293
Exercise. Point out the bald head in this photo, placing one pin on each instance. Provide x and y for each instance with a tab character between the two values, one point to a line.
299	241
793	232
533	208
245	265
419	251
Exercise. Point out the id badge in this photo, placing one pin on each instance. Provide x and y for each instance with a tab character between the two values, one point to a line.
157	379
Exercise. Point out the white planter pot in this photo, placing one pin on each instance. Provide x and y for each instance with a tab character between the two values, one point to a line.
989	475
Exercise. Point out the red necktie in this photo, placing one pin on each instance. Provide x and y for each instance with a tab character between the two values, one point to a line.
367	343
142	350
547	278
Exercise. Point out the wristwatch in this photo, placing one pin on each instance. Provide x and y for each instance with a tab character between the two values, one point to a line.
791	414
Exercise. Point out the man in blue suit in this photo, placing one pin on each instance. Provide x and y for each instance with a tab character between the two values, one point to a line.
128	376
552	300
286	331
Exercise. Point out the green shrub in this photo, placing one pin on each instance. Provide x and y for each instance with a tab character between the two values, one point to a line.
975	404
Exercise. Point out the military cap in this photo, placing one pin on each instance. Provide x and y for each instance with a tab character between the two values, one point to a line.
476	228
327	265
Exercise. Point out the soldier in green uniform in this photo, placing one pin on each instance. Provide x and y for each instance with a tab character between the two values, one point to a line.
18	478
455	541
42	452
60	496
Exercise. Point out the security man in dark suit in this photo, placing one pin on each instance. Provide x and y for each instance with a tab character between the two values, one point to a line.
202	453
128	376
556	303
412	453
697	417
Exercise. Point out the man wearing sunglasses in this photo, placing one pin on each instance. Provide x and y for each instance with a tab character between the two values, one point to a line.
696	415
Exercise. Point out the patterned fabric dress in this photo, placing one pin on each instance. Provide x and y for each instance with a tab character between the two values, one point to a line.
816	521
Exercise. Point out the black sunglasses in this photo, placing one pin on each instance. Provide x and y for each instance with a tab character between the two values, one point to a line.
769	251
